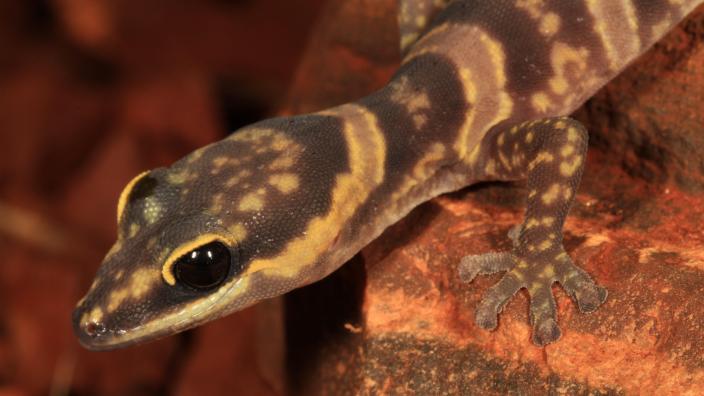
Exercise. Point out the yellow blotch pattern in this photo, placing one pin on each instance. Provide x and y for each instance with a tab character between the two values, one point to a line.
284	182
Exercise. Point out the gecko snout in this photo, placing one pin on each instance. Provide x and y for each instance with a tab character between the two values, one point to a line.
89	330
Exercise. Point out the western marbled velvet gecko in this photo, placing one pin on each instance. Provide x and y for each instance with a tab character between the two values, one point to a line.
482	93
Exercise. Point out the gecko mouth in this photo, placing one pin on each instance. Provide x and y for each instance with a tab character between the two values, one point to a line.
100	335
96	336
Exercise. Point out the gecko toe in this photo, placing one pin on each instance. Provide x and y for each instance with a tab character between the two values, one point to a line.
546	332
469	268
577	283
543	315
495	299
486	317
590	297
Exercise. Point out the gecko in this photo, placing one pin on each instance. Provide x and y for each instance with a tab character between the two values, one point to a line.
483	93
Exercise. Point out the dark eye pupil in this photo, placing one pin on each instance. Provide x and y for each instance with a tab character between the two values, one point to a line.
205	267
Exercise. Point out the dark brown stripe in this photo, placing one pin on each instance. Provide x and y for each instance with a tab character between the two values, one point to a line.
650	13
527	52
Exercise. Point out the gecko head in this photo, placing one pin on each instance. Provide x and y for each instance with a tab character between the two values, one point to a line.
209	235
169	267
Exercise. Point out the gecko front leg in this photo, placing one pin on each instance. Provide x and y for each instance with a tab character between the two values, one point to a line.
551	154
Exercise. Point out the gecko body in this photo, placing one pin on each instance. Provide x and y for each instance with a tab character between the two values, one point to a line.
482	94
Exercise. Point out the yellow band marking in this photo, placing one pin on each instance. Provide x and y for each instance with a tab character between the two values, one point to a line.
498	59
601	29
620	40
122	202
367	155
481	69
426	37
167	269
470	93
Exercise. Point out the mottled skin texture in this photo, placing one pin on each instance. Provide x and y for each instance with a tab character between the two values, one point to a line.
481	95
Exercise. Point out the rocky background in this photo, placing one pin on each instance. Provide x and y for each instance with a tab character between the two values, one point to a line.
94	91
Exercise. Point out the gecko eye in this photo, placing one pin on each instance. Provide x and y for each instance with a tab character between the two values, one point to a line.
204	268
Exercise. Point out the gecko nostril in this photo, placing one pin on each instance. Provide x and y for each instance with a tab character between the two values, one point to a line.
94	329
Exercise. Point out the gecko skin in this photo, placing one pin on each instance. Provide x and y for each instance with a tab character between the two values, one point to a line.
481	94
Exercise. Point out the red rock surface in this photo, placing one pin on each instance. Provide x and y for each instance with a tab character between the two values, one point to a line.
92	92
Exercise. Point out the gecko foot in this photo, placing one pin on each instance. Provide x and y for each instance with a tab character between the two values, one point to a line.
536	273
